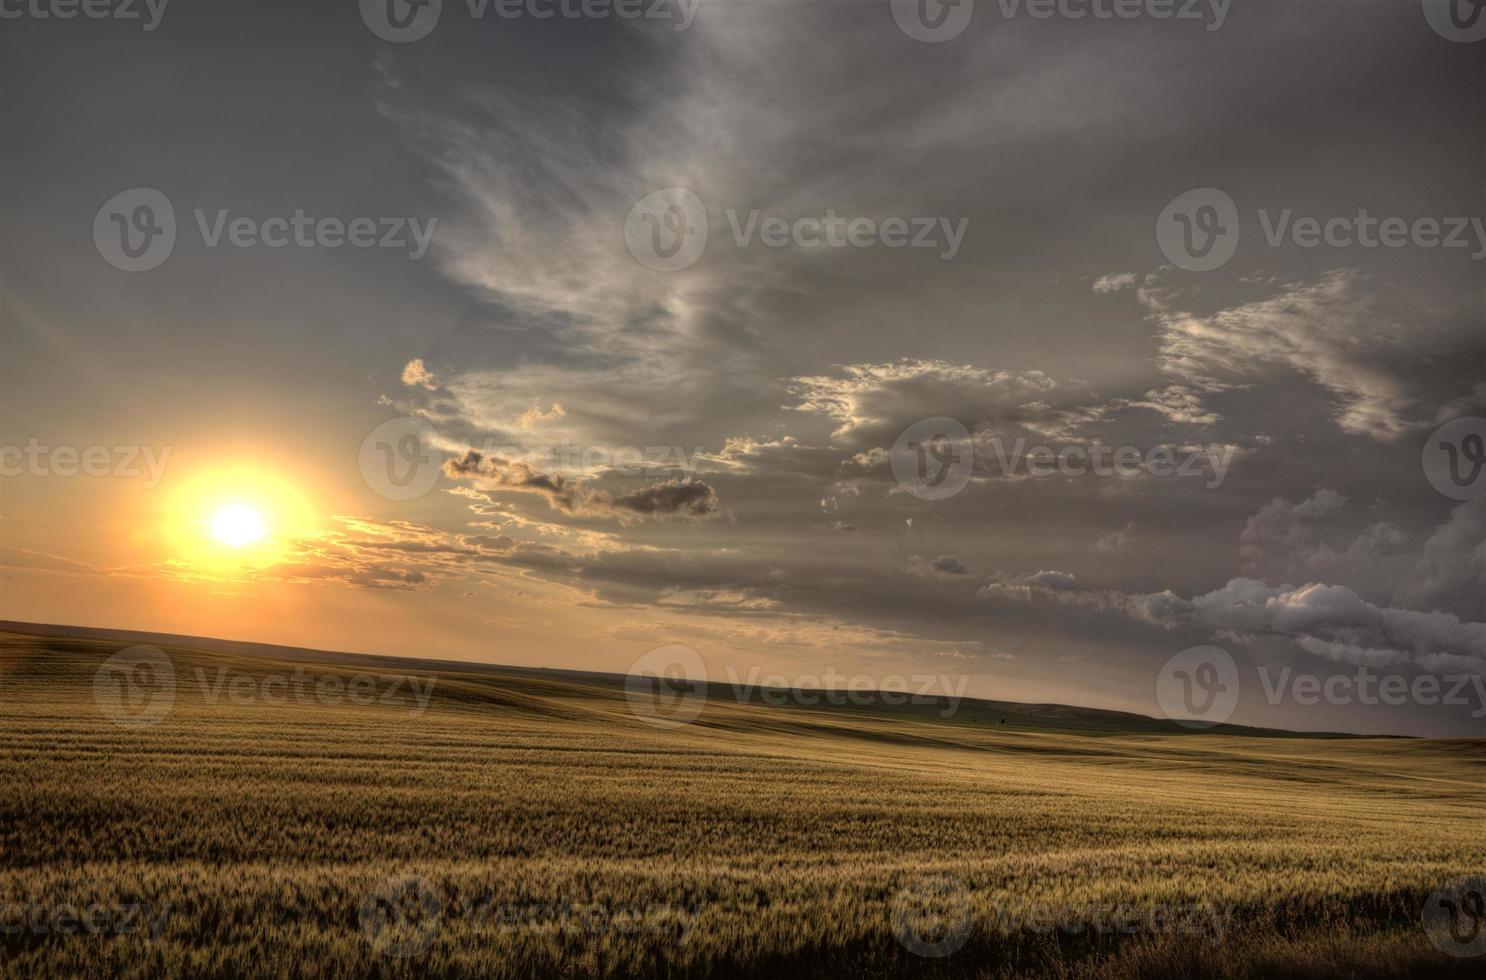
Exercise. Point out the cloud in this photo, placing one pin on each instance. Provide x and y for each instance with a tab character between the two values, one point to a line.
1176	402
1115	283
1331	330
1449	570
1027	585
871	403
415	373
1115	542
684	497
534	415
693	498
486	542
1313	541
948	565
1338	620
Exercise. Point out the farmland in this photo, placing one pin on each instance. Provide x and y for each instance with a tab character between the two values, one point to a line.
517	823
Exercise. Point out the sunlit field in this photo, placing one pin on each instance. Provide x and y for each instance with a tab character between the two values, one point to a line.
530	824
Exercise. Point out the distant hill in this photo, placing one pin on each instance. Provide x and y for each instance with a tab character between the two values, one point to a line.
559	684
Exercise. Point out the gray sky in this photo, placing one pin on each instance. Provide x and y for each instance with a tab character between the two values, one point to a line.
1032	157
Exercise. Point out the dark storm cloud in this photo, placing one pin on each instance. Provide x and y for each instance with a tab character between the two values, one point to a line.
676	497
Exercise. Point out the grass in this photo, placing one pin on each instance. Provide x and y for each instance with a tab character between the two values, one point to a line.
528	824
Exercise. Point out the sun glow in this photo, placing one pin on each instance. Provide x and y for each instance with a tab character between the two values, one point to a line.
237	525
237	518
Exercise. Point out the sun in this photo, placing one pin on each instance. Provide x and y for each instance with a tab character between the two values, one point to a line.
236	518
237	525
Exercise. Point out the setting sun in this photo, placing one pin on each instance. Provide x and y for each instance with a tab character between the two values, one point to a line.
246	515
237	525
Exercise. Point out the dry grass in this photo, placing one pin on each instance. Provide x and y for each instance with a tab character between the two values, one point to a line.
563	837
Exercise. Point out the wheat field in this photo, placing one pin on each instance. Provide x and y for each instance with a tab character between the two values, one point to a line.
519	824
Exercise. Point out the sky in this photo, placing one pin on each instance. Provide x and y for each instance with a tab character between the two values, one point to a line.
734	325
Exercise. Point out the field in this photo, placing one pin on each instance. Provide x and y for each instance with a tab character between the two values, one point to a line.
530	824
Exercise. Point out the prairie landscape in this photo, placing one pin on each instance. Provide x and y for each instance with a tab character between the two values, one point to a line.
465	821
629	489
